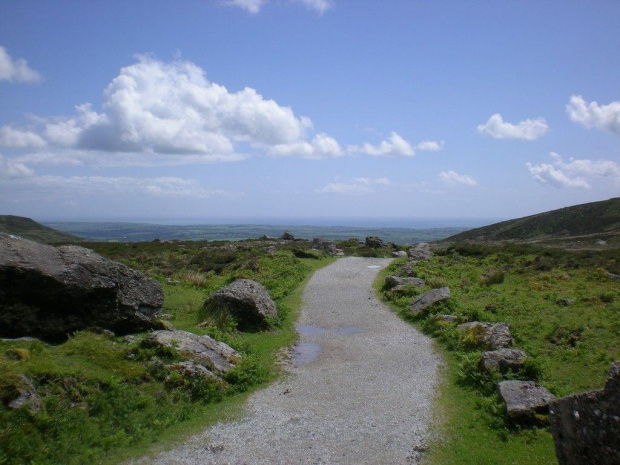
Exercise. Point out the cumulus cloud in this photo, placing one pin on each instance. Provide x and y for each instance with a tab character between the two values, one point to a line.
430	146
592	114
529	129
578	174
16	70
18	138
11	169
454	178
357	186
321	146
394	146
168	108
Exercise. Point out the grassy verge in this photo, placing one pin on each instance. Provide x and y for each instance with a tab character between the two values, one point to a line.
570	346
106	399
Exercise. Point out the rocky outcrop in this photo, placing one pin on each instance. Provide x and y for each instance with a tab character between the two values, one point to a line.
524	399
483	335
214	355
421	251
287	236
393	281
502	360
18	392
399	254
446	319
586	427
245	300
327	246
190	370
374	242
50	292
428	299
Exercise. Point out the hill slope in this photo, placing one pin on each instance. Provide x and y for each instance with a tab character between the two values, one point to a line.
595	220
30	229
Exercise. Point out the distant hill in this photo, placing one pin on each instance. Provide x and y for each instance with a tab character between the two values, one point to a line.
30	229
590	222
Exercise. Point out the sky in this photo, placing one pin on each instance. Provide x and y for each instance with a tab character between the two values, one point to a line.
333	109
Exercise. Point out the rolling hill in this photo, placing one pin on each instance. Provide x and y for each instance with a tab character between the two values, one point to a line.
30	229
586	223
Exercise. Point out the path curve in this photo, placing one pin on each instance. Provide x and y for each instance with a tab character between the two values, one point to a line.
366	399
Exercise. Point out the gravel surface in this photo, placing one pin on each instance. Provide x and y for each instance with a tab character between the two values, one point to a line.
366	398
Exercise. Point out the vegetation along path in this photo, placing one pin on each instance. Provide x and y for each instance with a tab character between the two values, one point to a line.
359	391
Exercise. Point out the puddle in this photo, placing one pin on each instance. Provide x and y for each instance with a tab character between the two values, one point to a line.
374	266
347	330
305	353
310	330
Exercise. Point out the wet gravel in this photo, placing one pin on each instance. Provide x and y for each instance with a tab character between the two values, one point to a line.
364	397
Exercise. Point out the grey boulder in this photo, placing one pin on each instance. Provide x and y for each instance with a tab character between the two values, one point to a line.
50	292
214	355
524	399
374	242
483	335
245	300
399	254
393	281
325	245
586	427
421	251
502	360
428	299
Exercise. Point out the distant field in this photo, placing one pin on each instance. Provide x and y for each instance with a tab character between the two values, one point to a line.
136	232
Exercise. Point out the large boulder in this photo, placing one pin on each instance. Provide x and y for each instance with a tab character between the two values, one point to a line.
374	242
421	251
399	254
50	292
428	299
214	355
393	281
287	236
245	300
487	336
326	245
586	427
502	360
524	399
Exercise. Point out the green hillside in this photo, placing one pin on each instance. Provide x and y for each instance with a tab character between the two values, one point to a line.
600	220
30	229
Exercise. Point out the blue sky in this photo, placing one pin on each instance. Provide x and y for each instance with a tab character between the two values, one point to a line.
307	108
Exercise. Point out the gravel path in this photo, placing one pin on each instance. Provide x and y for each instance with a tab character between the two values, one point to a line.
366	399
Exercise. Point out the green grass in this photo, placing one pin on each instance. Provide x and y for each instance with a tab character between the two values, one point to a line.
570	347
106	400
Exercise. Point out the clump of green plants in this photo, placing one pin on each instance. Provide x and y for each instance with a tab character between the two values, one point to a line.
102	396
569	346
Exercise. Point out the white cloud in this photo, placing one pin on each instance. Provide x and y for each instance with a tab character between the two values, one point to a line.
452	177
11	169
16	70
79	186
357	186
17	138
394	146
574	174
529	129
430	146
170	108
251	6
321	146
592	115
320	6
254	6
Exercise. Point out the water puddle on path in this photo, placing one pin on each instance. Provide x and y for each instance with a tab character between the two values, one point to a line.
374	266
305	353
310	330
